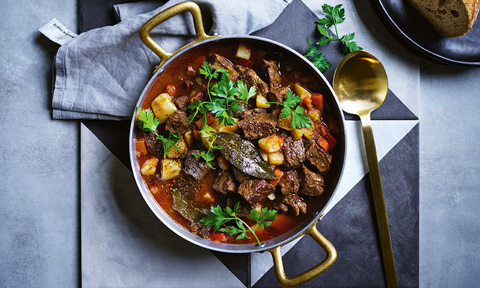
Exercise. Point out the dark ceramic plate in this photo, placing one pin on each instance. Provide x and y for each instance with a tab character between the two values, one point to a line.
417	34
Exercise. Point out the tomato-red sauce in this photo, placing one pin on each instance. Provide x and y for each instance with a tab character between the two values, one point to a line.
179	79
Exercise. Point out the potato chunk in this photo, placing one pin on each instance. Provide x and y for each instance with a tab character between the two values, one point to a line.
270	144
149	167
163	107
171	168
276	158
301	91
222	128
285	122
243	52
179	150
297	134
263	154
188	136
262	102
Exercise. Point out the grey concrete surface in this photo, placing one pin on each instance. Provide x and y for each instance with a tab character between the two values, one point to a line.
39	167
39	170
449	176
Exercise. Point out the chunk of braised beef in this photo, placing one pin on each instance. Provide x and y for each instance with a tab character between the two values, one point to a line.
224	183
254	111
289	183
271	73
278	205
177	122
278	94
250	77
294	152
245	207
312	183
240	68
154	146
240	176
181	102
199	229
255	191
317	156
219	61
294	201
195	166
258	125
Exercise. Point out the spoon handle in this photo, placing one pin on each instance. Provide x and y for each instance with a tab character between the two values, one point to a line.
379	202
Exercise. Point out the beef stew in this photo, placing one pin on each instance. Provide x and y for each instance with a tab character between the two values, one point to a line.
273	162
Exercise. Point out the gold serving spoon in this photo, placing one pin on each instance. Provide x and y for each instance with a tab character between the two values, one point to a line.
361	85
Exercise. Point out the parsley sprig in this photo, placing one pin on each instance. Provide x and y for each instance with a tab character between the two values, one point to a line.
334	16
208	155
147	121
218	216
169	142
292	109
225	97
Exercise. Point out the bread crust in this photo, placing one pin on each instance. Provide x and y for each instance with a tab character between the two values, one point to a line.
450	18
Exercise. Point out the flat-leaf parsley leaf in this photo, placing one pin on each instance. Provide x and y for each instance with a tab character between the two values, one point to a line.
219	217
334	15
148	122
292	109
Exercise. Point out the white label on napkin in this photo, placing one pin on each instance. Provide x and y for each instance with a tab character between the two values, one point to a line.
57	32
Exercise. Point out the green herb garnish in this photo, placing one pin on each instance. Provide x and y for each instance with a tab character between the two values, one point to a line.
291	108
169	142
208	155
225	97
218	217
334	15
148	122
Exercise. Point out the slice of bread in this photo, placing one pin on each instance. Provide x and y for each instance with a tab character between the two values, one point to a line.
451	18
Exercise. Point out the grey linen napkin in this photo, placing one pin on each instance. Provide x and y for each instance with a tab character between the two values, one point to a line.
101	73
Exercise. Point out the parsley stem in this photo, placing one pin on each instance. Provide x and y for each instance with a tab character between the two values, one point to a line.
208	89
252	231
336	31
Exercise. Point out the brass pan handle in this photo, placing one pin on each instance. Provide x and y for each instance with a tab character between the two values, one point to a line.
310	273
161	17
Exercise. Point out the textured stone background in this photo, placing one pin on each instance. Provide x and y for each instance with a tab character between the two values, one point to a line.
39	170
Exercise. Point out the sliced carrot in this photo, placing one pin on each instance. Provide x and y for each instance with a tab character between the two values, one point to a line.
198	96
323	129
307	103
279	175
196	134
331	140
141	147
322	142
219	237
280	141
210	118
199	123
317	101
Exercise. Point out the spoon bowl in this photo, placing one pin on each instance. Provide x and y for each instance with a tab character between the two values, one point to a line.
361	85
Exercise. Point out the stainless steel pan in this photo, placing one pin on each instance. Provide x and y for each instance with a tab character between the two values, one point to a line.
308	227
